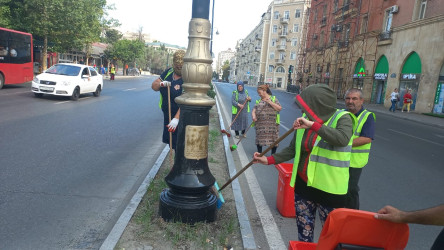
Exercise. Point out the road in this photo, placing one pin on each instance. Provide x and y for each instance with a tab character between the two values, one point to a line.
68	169
405	170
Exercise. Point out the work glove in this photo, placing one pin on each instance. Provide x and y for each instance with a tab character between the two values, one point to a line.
165	84
173	125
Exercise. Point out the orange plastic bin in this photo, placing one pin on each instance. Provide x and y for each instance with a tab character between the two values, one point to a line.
285	193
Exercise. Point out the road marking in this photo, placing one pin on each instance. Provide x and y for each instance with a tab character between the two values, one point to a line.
270	227
382	137
62	102
419	138
129	89
440	136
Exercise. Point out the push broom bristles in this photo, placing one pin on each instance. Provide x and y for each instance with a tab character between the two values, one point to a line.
233	147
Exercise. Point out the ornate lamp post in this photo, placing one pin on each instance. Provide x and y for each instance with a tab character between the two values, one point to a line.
188	198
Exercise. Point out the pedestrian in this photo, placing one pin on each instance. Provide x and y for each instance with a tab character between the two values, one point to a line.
362	141
394	98
112	71
170	86
429	216
321	148
407	101
102	70
126	69
240	98
266	118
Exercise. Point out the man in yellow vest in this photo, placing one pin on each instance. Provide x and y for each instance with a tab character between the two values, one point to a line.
321	149
362	142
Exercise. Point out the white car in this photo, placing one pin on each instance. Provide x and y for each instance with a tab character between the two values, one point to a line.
68	79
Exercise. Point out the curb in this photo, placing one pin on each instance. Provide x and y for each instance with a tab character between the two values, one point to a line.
244	222
117	231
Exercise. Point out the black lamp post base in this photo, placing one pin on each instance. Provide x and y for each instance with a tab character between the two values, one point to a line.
189	208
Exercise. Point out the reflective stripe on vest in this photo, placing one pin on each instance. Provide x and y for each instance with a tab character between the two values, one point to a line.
328	165
360	154
161	99
234	108
278	115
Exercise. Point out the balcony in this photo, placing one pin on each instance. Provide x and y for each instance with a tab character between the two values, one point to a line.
283	34
385	38
285	20
281	47
280	61
343	44
257	37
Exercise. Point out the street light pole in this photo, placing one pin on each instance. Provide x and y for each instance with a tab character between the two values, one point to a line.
188	198
212	26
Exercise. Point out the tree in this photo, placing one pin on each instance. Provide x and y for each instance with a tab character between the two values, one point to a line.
126	51
111	36
226	70
66	24
5	14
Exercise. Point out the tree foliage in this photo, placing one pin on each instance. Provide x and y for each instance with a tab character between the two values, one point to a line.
158	59
225	70
126	51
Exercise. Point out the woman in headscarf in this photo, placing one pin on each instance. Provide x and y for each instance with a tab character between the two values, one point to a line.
239	113
266	118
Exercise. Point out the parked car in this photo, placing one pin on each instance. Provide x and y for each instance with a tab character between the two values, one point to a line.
68	79
133	72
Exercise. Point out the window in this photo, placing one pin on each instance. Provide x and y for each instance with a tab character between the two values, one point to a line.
280	70
332	37
315	16
388	21
321	39
93	71
282	55
283	42
286	14
272	55
295	28
294	41
292	55
336	3
297	14
364	24
273	42
347	32
270	68
275	28
285	30
276	15
422	9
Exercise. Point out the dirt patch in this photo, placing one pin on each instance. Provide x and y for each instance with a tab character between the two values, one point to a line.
147	230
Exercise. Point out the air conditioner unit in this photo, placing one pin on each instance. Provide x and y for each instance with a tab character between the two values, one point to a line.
280	27
394	9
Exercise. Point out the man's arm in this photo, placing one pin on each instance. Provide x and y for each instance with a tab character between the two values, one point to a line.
359	141
430	216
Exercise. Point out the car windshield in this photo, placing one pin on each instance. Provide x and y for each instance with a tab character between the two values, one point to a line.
60	69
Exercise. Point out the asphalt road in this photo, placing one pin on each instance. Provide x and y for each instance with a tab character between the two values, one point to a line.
406	170
68	169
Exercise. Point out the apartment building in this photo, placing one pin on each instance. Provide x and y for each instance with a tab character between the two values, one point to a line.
222	57
376	46
267	52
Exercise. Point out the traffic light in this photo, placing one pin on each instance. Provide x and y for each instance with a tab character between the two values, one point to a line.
290	69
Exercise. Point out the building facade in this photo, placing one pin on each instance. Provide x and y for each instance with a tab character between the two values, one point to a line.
376	46
222	57
273	47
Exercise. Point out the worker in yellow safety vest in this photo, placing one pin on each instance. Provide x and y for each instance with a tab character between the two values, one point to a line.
321	148
363	136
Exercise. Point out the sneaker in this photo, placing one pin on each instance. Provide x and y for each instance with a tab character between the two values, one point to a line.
237	137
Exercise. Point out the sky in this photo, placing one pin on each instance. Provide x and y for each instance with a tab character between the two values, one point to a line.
167	20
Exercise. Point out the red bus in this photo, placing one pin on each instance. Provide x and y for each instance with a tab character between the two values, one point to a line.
16	62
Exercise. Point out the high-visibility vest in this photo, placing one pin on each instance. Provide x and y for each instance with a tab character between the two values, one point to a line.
278	116
234	108
112	70
328	165
168	73
360	154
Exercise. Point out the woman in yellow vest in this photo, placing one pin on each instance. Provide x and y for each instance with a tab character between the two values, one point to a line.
240	98
112	71
321	149
266	118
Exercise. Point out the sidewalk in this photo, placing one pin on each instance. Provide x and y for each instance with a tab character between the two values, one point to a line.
411	116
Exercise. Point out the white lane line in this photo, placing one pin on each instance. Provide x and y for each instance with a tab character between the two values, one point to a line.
440	136
382	137
419	138
62	102
270	227
129	89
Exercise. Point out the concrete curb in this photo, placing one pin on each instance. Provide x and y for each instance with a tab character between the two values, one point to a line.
244	222
117	231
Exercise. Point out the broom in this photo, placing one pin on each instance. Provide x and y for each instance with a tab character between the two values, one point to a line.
251	162
238	113
234	147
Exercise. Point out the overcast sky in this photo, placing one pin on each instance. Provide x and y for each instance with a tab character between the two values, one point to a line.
167	20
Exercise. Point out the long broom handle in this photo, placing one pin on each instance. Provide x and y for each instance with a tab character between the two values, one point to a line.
251	125
169	117
251	162
238	114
